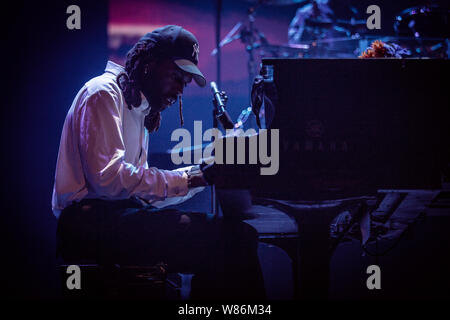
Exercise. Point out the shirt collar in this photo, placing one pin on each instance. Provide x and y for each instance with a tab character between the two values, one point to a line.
144	107
116	69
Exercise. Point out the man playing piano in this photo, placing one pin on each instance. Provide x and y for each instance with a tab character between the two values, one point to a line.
106	197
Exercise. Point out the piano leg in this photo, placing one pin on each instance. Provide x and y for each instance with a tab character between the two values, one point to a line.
314	260
315	248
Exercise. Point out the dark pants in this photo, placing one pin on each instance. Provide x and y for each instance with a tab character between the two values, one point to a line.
222	254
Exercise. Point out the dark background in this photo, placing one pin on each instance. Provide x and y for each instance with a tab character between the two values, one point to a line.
46	64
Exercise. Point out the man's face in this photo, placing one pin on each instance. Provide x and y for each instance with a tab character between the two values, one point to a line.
164	82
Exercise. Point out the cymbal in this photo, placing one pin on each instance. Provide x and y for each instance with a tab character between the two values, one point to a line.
328	24
319	23
351	22
285	47
424	21
277	2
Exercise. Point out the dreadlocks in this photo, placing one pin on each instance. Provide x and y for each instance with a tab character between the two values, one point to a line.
130	81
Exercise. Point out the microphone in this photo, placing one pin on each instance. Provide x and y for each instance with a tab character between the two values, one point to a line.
220	111
220	106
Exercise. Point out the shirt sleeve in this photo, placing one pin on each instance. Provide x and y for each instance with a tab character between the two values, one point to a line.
297	26
102	153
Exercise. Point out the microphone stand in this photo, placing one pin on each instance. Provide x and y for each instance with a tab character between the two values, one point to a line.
219	114
214	200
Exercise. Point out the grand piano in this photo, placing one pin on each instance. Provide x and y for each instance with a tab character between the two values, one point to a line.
365	137
350	126
369	138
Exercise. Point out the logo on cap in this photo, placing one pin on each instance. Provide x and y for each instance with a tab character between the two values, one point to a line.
196	51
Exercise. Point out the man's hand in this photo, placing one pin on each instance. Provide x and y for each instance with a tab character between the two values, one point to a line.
195	177
197	180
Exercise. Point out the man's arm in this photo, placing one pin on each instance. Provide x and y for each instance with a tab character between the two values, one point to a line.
102	154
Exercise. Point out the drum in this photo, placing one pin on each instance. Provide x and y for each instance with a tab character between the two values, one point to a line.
426	21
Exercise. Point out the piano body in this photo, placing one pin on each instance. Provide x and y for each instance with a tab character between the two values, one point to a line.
349	127
354	135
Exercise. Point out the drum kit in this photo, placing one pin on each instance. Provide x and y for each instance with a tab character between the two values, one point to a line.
423	30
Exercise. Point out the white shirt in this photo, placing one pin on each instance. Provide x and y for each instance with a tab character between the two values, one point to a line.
296	32
103	150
